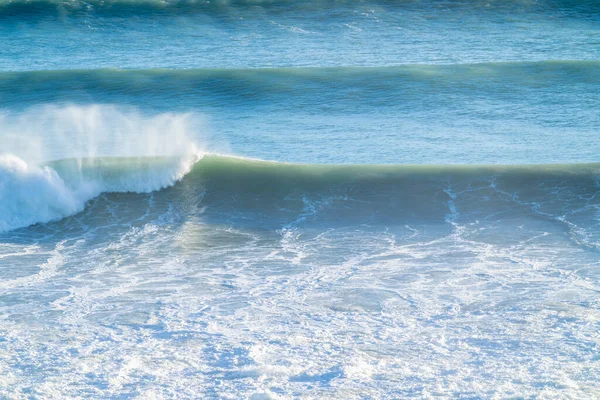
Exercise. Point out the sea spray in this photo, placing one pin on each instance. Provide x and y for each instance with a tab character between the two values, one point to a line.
50	132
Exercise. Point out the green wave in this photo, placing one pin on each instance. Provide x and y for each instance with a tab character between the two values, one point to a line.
369	84
252	175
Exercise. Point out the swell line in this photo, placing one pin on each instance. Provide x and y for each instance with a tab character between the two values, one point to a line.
45	8
243	85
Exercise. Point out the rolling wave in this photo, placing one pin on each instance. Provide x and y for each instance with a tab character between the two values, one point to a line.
31	194
377	85
386	193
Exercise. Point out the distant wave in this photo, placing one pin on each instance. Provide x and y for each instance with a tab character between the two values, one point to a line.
44	8
248	85
31	194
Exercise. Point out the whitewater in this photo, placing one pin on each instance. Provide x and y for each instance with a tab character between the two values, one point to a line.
274	200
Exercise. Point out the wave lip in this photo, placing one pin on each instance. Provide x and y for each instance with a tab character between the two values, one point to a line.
251	178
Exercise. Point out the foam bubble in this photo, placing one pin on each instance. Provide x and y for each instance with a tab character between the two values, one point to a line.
52	132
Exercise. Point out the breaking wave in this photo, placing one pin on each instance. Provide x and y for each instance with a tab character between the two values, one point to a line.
33	194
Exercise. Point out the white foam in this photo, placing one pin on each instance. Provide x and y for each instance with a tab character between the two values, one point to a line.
53	132
31	194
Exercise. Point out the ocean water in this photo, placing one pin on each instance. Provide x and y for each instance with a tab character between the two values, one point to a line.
272	199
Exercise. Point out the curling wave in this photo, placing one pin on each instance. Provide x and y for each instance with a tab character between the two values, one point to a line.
384	193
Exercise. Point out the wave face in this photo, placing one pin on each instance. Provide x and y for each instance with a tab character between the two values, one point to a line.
351	193
403	191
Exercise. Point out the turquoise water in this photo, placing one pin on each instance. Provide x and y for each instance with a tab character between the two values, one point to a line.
274	199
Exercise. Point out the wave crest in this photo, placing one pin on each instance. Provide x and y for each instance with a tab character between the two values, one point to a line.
147	153
33	194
